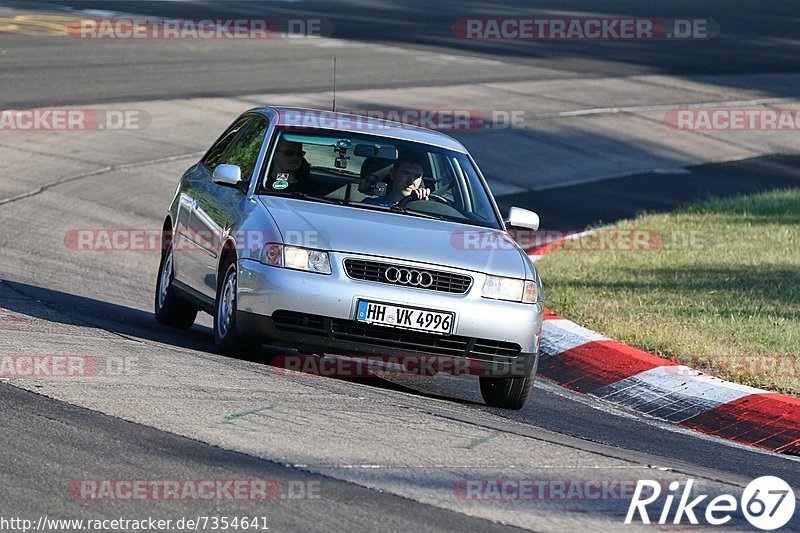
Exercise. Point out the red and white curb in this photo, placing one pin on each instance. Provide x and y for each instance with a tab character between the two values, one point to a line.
587	362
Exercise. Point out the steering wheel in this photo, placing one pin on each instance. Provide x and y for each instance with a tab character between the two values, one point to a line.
413	198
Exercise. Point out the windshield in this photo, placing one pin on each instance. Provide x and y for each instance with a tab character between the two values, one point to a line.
373	172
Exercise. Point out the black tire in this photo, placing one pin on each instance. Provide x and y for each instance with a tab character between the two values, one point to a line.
226	336
170	309
507	393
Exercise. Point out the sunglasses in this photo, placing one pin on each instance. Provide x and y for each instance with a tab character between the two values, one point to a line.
292	153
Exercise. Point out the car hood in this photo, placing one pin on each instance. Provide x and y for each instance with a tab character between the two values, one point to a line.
390	235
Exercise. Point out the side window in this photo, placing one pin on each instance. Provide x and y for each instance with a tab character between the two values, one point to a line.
442	179
244	152
446	181
214	155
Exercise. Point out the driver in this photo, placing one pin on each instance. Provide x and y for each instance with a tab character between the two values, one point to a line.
405	180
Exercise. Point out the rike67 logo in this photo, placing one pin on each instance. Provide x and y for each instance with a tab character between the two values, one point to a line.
767	502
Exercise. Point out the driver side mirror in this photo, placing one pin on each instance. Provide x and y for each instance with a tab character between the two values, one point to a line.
522	218
230	175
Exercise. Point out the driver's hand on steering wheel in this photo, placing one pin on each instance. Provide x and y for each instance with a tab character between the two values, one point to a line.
421	194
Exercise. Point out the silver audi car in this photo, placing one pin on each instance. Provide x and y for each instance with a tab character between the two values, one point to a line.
340	234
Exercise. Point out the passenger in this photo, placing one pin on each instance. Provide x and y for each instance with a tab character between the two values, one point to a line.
286	166
290	171
405	180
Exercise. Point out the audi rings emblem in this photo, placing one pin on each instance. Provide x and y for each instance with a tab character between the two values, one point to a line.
409	276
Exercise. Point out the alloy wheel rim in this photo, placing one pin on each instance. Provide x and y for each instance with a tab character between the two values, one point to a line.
225	313
164	281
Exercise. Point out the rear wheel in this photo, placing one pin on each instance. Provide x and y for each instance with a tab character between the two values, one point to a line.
507	393
170	309
226	336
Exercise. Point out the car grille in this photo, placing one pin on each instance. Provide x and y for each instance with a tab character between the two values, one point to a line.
438	280
350	330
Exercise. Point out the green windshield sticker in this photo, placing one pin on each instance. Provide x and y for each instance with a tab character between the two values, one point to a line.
280	184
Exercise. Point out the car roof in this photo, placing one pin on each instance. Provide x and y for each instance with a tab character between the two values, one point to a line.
329	120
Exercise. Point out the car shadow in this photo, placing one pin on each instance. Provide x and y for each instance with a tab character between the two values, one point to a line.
19	300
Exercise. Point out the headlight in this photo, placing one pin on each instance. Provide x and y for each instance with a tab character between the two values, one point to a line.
296	258
513	290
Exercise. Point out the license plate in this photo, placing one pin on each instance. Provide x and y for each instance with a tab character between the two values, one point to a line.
405	317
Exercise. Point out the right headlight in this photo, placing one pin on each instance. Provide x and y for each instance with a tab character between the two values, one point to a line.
510	289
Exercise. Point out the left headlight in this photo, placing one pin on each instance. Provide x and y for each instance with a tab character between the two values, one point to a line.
513	290
296	258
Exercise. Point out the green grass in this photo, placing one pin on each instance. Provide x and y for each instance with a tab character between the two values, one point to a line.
727	303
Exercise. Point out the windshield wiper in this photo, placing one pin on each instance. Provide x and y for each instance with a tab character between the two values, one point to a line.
305	196
405	211
396	209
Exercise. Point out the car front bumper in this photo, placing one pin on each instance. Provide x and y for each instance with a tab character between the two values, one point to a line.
316	312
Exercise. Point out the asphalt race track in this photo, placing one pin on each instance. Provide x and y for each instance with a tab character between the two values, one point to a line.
377	453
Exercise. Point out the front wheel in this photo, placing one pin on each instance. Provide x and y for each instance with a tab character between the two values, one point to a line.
170	309
507	393
226	336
